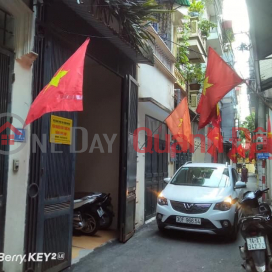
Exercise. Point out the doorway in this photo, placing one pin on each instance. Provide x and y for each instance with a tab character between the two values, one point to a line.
97	165
55	176
156	167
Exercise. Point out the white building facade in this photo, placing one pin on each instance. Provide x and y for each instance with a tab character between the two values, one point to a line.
156	101
16	43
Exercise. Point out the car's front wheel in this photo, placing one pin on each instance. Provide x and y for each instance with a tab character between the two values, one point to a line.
161	227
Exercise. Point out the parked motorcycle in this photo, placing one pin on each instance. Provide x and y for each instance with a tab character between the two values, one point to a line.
256	229
92	211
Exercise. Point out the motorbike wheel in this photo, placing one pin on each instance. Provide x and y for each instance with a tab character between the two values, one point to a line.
234	230
91	224
105	221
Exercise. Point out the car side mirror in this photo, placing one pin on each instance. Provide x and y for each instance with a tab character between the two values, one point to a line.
240	185
167	180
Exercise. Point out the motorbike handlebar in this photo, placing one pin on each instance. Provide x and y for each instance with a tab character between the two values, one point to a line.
260	193
255	217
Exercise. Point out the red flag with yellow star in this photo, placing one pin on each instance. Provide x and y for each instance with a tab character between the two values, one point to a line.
212	150
216	117
269	136
220	78
241	151
232	154
179	123
64	91
215	136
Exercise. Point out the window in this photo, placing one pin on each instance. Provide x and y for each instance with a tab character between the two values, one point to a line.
157	127
202	177
6	29
193	102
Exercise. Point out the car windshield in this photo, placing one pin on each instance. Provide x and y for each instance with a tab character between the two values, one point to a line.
202	176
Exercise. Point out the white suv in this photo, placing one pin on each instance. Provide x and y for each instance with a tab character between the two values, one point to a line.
201	197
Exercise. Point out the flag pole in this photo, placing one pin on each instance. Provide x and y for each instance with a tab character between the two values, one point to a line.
254	91
158	127
200	145
258	95
195	117
163	122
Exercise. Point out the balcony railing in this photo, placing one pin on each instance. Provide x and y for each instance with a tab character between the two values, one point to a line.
197	43
195	31
180	79
161	56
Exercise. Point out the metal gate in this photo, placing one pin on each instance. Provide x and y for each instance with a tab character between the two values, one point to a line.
6	70
128	163
156	167
51	183
182	158
35	172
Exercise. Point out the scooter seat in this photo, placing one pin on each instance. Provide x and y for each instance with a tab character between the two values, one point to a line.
80	195
83	199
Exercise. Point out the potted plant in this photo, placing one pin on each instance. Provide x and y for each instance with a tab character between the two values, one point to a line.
195	86
196	8
197	77
228	36
205	27
183	37
194	75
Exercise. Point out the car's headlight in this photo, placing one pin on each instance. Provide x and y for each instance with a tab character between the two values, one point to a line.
224	205
162	200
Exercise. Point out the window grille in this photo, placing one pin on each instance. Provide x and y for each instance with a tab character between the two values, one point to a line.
6	29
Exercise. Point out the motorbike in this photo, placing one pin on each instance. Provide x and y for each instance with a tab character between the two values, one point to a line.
92	211
256	229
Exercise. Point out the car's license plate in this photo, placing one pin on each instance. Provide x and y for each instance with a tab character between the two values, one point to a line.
256	243
188	220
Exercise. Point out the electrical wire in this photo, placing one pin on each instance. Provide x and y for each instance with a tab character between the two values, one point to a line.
181	45
189	49
83	35
103	37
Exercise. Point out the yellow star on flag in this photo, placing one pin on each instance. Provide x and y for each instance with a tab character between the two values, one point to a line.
269	135
56	79
180	122
206	85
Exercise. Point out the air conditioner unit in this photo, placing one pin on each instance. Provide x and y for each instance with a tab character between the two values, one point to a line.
193	100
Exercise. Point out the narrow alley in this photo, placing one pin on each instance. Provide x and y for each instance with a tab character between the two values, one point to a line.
149	250
129	132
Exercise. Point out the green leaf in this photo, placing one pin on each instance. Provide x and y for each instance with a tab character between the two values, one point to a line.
133	17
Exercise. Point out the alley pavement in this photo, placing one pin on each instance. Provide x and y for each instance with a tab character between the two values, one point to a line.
149	250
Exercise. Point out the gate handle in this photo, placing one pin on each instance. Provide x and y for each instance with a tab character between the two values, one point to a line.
33	190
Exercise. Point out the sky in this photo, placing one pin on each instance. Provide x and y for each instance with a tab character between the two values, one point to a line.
236	10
